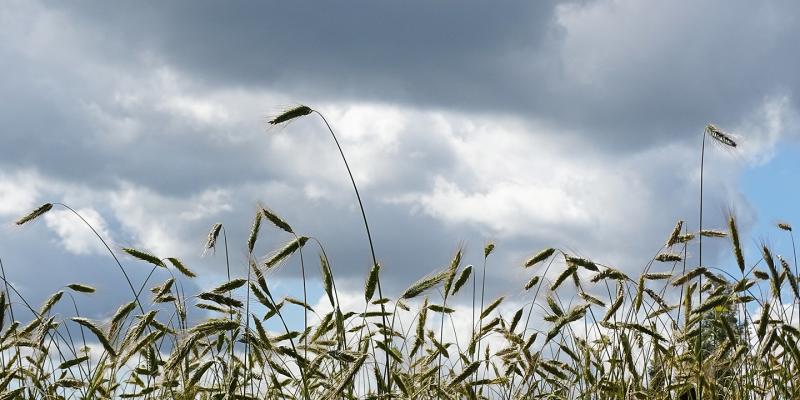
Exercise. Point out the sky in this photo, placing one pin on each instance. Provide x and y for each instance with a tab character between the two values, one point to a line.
573	124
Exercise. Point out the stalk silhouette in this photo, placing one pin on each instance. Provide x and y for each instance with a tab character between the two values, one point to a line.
725	140
305	110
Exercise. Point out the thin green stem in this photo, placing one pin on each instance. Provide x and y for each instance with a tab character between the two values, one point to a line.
369	239
700	262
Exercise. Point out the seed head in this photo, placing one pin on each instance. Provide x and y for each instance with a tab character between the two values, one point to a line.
488	249
719	135
35	213
673	237
211	241
291	114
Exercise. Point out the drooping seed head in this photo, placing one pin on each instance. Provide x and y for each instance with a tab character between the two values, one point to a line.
785	226
276	220
673	237
79	288
737	247
532	282
539	257
35	213
251	240
288	249
713	233
685	238
144	256
211	241
372	282
291	114
180	266
581	262
424	284
488	249
462	279
719	135
451	270
669	257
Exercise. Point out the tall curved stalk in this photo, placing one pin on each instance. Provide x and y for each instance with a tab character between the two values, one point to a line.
369	237
700	262
725	140
305	110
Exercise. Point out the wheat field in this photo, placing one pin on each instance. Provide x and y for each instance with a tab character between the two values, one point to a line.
675	331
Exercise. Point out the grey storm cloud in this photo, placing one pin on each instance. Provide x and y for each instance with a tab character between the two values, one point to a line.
625	76
618	73
102	97
421	52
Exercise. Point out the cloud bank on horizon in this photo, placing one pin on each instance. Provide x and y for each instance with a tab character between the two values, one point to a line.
569	124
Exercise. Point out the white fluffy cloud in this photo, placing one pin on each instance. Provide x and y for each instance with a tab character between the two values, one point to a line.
73	235
18	192
158	223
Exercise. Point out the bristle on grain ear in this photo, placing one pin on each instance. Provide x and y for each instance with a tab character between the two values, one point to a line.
720	136
291	114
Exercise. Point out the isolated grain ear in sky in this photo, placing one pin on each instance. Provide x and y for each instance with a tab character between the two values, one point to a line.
536	124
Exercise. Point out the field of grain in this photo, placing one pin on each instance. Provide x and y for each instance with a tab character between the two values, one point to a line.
676	330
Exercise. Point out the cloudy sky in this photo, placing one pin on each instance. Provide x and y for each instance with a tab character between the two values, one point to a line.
532	124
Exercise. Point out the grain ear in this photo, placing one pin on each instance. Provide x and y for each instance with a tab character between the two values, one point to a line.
372	282
290	114
719	136
211	240
98	333
41	210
